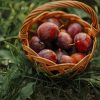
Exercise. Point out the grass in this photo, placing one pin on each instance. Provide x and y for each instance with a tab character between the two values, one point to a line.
18	79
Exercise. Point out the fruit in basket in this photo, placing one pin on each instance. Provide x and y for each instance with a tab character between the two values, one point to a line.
48	54
36	44
78	56
74	29
64	40
48	31
54	38
54	20
82	42
67	59
59	54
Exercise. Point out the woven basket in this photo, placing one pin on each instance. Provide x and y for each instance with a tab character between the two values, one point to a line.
43	12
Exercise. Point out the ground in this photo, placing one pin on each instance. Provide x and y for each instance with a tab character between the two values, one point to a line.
18	79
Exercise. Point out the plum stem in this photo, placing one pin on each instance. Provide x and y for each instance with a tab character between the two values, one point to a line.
59	49
72	44
61	26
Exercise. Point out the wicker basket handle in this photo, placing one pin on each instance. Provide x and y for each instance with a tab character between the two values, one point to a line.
62	4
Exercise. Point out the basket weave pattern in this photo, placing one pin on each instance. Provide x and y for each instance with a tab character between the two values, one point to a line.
43	12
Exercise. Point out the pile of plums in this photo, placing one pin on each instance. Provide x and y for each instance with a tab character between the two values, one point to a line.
67	44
